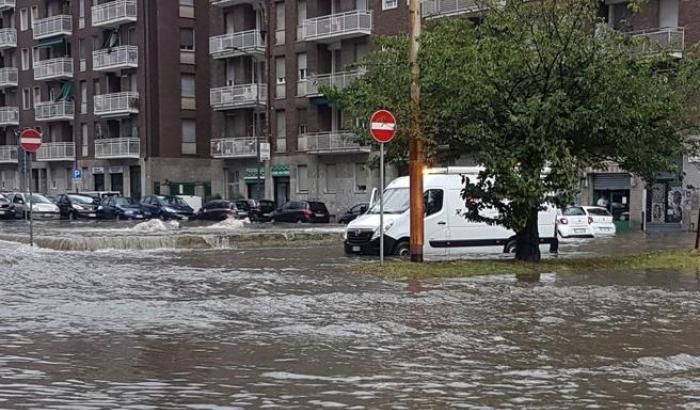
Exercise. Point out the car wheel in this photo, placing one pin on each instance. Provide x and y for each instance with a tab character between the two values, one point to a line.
511	247
403	249
272	220
118	217
299	220
71	216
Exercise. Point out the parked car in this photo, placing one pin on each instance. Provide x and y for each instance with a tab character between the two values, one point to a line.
261	210
221	209
302	211
100	195
42	208
353	213
7	208
74	206
120	207
167	207
572	222
600	220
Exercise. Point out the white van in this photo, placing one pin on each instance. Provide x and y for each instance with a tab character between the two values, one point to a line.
447	231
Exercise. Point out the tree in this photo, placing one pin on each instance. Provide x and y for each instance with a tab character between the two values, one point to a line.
536	92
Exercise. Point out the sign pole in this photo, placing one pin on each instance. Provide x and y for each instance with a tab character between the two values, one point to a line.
31	201
381	204
30	141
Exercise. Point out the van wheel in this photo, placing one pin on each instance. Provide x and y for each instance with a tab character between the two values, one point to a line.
403	249
511	247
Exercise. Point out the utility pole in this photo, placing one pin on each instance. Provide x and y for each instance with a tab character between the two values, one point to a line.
416	154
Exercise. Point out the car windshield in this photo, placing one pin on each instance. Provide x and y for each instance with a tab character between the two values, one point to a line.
396	201
573	211
317	206
242	205
172	201
40	199
80	199
124	201
598	211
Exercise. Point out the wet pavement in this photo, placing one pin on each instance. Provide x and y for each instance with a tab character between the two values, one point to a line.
289	328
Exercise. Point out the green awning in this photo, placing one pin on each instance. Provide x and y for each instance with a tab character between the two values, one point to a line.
50	42
66	93
111	39
281	171
252	173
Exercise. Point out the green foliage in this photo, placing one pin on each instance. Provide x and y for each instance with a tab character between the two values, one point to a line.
537	91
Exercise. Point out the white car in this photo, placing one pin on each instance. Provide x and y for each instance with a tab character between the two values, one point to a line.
573	222
42	208
601	221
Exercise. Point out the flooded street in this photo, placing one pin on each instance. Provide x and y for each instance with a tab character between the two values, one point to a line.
292	329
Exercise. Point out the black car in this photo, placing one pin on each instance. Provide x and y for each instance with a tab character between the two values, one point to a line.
121	207
7	208
74	206
261	210
222	209
353	213
167	207
302	211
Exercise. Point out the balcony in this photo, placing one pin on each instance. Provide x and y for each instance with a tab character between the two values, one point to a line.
61	25
310	86
8	77
9	116
117	104
8	38
117	148
439	8
7	5
114	13
332	142
115	59
670	40
54	111
243	43
238	96
244	147
56	151
54	69
8	154
336	27
227	3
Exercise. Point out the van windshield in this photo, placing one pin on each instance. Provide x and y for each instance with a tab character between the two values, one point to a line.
396	201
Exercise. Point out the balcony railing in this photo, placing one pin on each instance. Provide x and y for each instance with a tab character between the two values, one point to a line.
7	4
237	44
54	69
56	151
54	111
8	154
9	116
8	77
244	147
334	27
61	25
114	13
117	104
115	59
310	86
8	38
670	40
333	142
118	148
227	3
432	8
238	96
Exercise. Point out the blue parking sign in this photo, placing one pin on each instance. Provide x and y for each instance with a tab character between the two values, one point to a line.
77	175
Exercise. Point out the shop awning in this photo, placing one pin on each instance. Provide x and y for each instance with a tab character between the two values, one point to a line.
50	42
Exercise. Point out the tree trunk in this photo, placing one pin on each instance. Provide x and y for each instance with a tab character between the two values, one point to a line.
528	240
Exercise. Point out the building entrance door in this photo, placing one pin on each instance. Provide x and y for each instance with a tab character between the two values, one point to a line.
281	190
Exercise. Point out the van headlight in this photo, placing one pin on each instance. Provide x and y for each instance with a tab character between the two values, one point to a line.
387	226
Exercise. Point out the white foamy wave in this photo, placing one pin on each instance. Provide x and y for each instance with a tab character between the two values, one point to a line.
231	223
155	225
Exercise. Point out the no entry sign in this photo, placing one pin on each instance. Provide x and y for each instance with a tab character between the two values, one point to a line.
383	126
30	140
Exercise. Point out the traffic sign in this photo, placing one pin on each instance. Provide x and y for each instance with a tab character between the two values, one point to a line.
383	126
77	175
30	140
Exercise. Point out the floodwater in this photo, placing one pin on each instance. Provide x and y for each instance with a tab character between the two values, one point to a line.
292	329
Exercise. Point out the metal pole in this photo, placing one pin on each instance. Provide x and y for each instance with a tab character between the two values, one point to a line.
31	201
697	234
381	204
416	142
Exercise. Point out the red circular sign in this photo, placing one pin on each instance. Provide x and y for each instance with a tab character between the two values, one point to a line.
382	126
30	140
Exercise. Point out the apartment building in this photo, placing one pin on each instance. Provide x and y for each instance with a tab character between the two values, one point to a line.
119	90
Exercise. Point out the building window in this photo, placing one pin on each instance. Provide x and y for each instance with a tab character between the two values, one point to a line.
81	20
84	139
187	84
301	16
280	131
189	137
301	66
187	8
279	22
37	96
281	78
35	55
24	20
187	39
331	180
26	102
361	176
25	59
83	97
302	178
390	4
33	16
